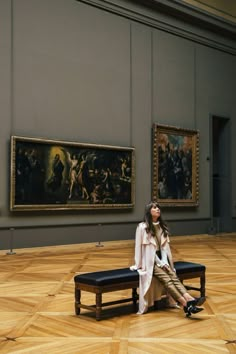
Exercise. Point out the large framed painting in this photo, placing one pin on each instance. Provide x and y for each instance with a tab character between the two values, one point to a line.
50	175
175	166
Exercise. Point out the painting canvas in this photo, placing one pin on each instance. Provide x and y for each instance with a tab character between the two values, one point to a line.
175	166
51	175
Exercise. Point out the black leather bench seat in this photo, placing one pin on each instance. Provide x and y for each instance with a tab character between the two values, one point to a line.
186	267
108	277
125	274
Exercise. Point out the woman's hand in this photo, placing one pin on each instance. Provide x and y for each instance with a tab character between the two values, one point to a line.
166	267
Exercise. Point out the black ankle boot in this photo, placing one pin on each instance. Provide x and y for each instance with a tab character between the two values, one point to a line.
191	309
196	302
196	309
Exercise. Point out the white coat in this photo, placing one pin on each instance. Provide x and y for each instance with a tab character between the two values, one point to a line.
150	289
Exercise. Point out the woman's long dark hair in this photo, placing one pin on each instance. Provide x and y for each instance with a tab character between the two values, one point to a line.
149	223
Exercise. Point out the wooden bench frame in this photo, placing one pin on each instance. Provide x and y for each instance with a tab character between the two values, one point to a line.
98	290
200	275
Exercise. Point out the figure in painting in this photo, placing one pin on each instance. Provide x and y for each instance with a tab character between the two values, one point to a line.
124	170
83	176
73	161
54	182
23	170
36	178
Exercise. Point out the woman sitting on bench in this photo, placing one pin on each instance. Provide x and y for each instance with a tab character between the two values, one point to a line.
153	260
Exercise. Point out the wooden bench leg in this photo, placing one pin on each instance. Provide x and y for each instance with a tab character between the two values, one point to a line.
202	288
134	296
98	306
77	301
202	284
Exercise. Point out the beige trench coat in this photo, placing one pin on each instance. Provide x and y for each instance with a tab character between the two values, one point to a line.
150	289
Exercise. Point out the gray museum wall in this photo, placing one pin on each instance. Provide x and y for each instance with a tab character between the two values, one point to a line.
75	72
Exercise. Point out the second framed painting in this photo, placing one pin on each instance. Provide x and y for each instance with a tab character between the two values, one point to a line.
175	166
51	175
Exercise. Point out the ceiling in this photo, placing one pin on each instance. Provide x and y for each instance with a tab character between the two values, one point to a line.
226	9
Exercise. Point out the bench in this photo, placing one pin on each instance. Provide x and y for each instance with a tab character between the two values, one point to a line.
122	279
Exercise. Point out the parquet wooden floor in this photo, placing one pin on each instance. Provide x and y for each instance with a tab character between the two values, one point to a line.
37	302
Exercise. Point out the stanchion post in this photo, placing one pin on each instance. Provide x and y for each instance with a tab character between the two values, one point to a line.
11	242
99	242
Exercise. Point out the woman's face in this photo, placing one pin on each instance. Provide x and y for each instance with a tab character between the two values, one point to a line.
155	212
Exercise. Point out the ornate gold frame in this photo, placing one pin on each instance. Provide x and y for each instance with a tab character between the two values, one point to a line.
175	166
59	175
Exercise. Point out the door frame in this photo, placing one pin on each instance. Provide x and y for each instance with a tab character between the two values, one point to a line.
215	225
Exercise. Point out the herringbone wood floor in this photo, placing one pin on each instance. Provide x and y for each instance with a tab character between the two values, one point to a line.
37	302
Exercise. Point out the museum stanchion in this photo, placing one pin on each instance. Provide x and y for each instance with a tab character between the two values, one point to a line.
99	244
10	252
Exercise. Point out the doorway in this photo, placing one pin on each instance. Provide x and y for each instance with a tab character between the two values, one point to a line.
221	204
